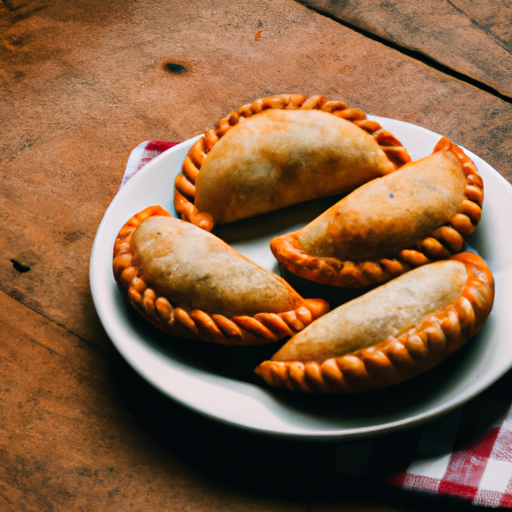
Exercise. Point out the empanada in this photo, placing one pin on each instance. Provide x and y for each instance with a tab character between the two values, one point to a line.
288	149
191	284
398	330
418	214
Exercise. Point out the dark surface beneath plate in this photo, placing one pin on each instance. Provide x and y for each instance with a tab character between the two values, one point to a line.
374	408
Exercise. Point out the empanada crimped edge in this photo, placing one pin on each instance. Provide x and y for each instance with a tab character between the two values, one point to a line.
443	242
263	327
395	359
185	191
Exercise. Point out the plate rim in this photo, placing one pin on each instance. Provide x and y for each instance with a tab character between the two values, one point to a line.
334	434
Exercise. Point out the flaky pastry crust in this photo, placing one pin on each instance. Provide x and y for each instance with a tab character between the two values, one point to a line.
185	195
156	300
440	240
396	358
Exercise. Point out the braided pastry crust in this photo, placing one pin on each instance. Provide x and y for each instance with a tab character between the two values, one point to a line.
391	358
289	149
419	214
190	284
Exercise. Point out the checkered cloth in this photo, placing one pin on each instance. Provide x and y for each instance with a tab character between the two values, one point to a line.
142	154
466	453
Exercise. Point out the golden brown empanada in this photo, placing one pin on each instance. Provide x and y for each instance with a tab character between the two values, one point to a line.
191	284
398	330
279	151
418	214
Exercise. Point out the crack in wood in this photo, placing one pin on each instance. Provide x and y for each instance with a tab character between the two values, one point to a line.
500	42
414	54
38	311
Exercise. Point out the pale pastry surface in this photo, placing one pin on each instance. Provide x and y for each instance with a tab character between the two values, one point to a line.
385	312
197	270
388	214
281	157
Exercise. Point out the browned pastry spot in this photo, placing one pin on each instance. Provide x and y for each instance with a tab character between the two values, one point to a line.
418	214
191	284
390	334
278	151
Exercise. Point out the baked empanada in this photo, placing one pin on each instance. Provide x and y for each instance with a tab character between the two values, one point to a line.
394	332
191	284
288	149
420	213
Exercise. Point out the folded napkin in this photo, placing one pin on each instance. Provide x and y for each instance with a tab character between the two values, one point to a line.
142	154
466	453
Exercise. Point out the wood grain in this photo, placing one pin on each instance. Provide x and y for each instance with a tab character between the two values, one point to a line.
80	431
81	83
471	38
70	442
77	104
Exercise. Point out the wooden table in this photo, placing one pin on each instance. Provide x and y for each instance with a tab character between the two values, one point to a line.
81	84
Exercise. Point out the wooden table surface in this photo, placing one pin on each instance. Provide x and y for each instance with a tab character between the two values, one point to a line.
81	84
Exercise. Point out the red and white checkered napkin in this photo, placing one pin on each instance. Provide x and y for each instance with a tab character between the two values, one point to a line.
142	154
466	453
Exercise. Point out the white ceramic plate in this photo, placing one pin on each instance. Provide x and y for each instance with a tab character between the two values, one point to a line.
219	382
